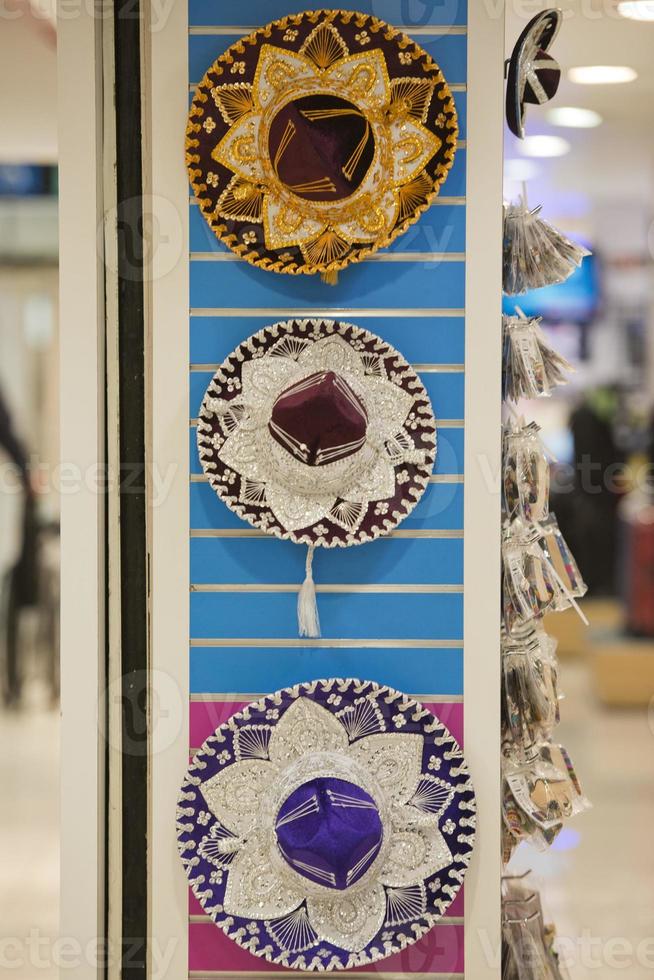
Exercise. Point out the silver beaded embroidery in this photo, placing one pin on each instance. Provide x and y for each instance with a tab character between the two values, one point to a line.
308	742
401	430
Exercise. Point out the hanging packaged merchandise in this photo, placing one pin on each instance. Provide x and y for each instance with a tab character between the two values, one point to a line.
545	786
528	948
517	827
530	698
526	473
531	368
525	943
529	588
532	585
535	254
562	559
540	789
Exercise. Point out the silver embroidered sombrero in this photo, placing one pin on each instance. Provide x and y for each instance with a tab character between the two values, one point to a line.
319	432
328	825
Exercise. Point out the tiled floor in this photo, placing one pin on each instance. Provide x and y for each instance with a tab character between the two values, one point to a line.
29	843
597	883
598	880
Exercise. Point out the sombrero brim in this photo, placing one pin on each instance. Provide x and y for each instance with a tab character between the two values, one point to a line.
543	27
269	217
308	505
413	767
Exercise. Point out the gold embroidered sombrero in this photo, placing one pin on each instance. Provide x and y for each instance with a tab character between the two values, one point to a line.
319	139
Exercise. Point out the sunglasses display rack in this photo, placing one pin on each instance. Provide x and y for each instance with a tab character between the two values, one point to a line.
540	790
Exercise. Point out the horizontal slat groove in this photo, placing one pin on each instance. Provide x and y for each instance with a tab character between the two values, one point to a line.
246	532
366	975
370	588
441	478
439	368
207	697
326	644
427	257
454	87
250	975
441	423
442	199
309	314
419	368
454	920
438	30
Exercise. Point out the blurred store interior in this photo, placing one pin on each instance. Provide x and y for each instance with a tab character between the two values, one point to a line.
590	163
29	485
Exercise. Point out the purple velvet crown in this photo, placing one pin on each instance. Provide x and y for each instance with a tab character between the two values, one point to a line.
319	420
330	831
321	146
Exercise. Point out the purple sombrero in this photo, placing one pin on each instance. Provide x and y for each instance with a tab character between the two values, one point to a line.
319	432
318	139
328	825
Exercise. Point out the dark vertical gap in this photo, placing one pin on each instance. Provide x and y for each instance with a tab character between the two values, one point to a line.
105	702
132	494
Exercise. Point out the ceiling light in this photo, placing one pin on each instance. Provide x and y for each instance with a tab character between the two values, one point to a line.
602	74
574	117
636	9
544	146
518	170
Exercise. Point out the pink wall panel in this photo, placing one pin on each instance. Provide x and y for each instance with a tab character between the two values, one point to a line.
207	715
439	952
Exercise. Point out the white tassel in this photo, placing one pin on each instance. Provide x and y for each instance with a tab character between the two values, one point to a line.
307	609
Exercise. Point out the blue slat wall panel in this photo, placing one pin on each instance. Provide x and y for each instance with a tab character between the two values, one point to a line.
225	669
374	284
401	13
397	616
356	616
253	559
427	340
